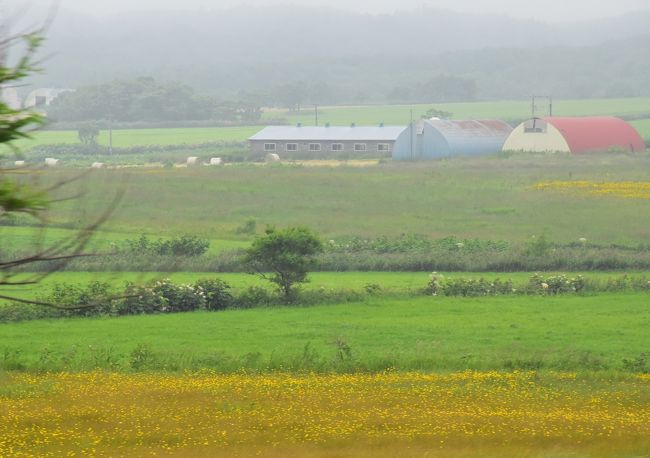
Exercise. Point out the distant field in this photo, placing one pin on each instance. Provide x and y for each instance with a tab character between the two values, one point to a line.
141	137
389	114
19	238
506	110
489	198
643	127
571	333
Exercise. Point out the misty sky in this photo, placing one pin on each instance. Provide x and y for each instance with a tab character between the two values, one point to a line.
545	10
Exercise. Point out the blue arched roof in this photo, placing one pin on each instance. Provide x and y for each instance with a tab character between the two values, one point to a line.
438	138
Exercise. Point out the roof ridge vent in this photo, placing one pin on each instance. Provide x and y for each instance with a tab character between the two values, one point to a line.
354	124
299	124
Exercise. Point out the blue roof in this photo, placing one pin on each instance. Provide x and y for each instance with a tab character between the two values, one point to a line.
333	133
437	138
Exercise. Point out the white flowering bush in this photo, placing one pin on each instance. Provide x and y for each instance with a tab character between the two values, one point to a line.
179	298
140	300
439	285
555	284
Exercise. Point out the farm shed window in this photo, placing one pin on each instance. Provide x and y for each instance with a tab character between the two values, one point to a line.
360	147
383	147
292	146
337	146
269	146
535	126
314	147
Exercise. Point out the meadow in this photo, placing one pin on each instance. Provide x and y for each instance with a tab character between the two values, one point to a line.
493	198
384	371
572	333
522	414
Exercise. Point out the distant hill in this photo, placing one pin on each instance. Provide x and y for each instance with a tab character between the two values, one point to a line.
358	57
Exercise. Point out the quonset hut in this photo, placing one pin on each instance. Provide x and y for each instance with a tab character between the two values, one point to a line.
438	138
315	139
574	135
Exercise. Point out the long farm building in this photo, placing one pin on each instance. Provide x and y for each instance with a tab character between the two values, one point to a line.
318	139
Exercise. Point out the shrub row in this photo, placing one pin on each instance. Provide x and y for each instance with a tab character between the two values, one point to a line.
537	285
164	296
185	245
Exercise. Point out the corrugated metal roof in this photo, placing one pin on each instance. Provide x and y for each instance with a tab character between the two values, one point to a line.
333	133
597	133
472	128
438	138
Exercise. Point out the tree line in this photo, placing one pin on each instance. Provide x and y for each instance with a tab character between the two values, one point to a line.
147	100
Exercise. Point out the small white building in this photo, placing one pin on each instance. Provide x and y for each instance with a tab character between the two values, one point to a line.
43	97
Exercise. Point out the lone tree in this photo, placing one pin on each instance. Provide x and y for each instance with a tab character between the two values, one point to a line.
284	257
88	133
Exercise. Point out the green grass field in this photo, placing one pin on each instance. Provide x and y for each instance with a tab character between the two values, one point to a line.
570	333
141	137
643	127
362	115
489	198
506	110
26	238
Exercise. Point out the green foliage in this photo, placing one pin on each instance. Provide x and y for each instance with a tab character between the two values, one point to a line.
435	113
16	124
555	284
549	285
142	99
439	285
216	294
88	133
179	297
284	256
95	298
638	365
539	246
19	197
185	245
249	227
255	296
140	300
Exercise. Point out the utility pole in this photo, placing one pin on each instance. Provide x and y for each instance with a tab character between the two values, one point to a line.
316	113
548	98
110	137
411	133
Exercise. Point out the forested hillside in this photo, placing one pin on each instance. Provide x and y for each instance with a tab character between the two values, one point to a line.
283	56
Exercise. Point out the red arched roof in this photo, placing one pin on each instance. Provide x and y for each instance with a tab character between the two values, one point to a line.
597	133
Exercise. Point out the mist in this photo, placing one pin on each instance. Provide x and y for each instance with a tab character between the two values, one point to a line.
551	10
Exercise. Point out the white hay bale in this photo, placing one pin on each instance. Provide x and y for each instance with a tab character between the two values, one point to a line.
216	161
20	163
272	157
98	165
192	160
51	162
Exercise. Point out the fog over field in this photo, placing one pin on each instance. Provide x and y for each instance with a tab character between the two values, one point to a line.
490	50
550	10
